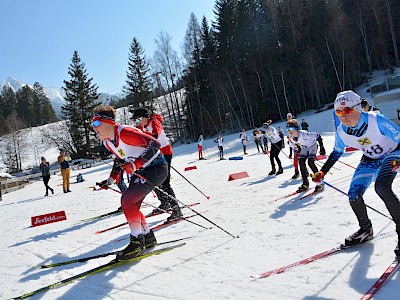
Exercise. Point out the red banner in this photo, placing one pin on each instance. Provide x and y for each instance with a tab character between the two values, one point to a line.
48	218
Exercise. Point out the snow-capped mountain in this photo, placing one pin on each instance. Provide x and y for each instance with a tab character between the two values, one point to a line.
55	94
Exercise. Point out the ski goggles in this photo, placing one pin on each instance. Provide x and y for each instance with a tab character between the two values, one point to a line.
290	128
96	123
345	111
98	119
138	120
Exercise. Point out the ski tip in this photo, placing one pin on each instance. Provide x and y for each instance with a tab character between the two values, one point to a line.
255	276
97	232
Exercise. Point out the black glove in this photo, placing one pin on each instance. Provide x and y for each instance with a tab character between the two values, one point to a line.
105	183
322	151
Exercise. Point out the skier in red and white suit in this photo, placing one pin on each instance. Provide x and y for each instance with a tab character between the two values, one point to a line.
152	125
138	154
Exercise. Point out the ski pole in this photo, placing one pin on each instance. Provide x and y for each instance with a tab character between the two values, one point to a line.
148	204
208	197
340	191
346	164
196	212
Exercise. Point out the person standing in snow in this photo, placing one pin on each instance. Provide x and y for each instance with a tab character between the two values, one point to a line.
307	150
220	141
257	139
200	146
304	125
276	146
65	171
378	138
45	169
289	116
138	154
152	125
244	139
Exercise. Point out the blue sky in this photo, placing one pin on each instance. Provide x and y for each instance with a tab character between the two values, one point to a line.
38	37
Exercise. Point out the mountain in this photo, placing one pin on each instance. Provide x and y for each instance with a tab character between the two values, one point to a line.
55	94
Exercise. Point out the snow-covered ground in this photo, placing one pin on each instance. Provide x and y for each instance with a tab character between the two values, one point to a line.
213	265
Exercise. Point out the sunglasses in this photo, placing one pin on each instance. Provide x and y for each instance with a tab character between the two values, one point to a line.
345	111
138	120
96	123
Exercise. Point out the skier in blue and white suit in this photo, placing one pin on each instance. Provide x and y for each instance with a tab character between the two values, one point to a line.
378	138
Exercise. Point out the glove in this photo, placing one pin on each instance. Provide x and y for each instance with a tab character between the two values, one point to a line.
318	177
105	183
322	150
129	167
395	165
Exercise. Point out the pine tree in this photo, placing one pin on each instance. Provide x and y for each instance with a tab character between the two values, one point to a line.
1	115
24	106
9	100
138	87
43	108
80	98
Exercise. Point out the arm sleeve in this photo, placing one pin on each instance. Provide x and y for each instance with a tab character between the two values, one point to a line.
149	145
388	128
157	128
337	152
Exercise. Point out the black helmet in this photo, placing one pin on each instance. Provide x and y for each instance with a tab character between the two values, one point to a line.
140	112
364	102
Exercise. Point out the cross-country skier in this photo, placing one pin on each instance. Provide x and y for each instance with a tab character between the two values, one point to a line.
220	141
257	135
378	138
276	146
307	150
200	146
368	108
138	154
152	125
244	139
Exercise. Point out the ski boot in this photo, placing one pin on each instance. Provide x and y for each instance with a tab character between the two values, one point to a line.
273	171
280	171
319	187
150	240
360	236
134	249
296	174
176	214
303	187
164	206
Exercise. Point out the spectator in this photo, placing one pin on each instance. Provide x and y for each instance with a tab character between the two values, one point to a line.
45	169
304	124
79	178
65	171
